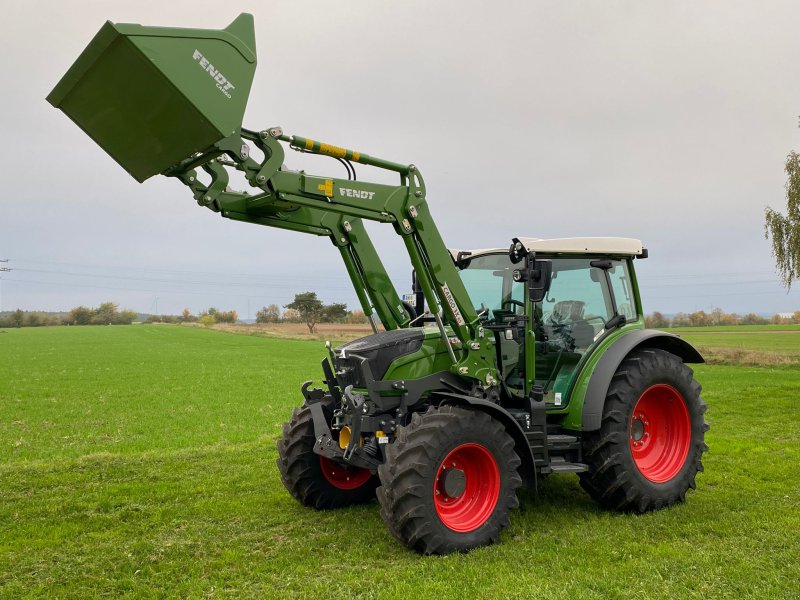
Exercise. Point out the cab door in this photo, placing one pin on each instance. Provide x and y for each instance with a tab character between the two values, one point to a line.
569	322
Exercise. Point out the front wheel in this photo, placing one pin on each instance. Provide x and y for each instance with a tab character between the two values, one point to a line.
315	480
449	481
648	450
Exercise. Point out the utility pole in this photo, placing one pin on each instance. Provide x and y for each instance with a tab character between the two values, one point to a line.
2	269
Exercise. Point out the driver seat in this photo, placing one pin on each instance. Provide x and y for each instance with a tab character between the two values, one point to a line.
571	313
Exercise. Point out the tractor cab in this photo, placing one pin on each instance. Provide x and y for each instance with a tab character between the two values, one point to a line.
590	293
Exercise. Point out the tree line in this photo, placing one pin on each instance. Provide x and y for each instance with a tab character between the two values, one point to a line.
107	313
716	317
305	308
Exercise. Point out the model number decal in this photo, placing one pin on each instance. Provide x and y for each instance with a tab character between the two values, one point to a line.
451	302
223	85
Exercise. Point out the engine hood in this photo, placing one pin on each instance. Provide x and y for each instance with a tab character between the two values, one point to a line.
381	349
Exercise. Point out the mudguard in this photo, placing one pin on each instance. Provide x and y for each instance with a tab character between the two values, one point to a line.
601	376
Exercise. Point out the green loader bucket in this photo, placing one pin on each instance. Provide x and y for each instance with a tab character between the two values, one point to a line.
154	96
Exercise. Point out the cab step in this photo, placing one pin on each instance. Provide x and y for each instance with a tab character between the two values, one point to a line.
559	465
561	440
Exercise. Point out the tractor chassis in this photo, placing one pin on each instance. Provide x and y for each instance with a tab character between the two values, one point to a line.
542	449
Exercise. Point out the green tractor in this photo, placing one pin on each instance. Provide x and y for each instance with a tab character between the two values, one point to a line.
502	366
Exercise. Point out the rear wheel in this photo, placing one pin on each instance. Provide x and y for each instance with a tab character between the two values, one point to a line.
315	480
449	481
648	450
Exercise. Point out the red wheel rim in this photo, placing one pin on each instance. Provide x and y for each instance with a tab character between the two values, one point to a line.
660	433
477	473
343	477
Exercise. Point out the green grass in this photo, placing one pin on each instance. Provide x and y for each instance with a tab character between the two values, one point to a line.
140	461
738	328
753	346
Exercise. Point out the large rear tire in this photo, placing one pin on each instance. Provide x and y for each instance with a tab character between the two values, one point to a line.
649	448
449	481
314	480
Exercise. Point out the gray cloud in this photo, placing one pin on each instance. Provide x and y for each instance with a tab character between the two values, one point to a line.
663	121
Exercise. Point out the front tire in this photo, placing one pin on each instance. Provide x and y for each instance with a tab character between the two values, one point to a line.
315	480
649	448
449	481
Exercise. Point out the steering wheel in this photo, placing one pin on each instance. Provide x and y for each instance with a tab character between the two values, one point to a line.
513	303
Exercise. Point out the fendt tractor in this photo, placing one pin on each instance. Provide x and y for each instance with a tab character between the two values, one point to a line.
501	367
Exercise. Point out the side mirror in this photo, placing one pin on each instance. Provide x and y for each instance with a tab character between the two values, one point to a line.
541	276
538	273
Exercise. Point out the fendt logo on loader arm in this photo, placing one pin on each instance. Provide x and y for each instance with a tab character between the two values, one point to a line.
223	85
351	193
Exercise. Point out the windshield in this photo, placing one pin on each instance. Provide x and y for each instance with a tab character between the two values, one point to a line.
491	287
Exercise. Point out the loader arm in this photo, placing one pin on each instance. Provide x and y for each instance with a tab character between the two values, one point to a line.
171	101
334	207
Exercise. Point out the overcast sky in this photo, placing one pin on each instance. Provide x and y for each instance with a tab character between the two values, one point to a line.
664	121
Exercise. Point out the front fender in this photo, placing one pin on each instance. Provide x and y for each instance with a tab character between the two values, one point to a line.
600	380
521	446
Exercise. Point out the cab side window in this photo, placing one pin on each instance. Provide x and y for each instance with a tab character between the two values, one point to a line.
568	322
623	290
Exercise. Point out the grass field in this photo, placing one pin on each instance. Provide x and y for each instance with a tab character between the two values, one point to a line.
747	345
140	461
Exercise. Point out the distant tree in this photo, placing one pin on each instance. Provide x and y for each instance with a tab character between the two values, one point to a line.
230	316
310	308
268	314
728	319
753	319
334	312
34	319
796	317
784	230
207	319
17	318
105	314
699	318
681	320
656	321
158	318
80	315
357	316
291	315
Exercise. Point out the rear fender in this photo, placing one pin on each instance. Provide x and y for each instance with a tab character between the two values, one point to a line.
595	397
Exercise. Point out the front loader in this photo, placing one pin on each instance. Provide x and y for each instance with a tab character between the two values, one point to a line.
507	365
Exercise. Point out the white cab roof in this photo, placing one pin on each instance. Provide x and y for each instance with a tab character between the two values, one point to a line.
577	245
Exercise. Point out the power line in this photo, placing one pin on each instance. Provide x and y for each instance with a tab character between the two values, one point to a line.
281	282
127	289
736	275
116	268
